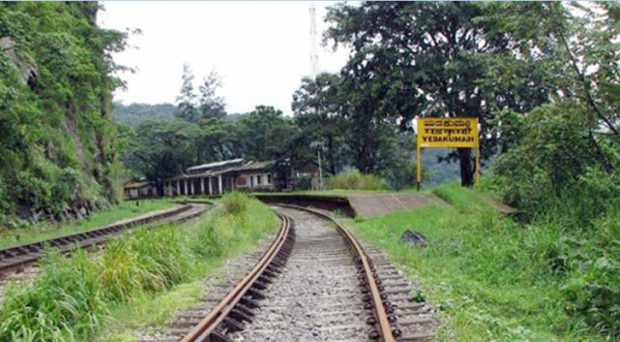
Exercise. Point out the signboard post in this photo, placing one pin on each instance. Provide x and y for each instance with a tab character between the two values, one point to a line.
447	132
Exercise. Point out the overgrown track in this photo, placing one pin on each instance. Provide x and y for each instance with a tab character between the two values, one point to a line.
15	258
313	283
236	306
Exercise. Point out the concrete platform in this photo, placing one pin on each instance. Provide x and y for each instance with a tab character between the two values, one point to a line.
368	205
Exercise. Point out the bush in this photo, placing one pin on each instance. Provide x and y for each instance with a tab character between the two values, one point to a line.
566	179
355	180
234	203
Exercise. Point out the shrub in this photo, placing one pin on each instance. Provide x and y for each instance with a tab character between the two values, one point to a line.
355	180
234	203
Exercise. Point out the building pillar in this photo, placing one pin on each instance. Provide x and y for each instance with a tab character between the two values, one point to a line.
202	185
185	186
191	186
178	187
219	183
210	185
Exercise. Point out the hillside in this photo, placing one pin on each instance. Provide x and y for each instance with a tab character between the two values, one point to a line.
55	111
133	114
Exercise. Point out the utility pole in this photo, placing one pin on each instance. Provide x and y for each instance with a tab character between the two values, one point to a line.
318	152
314	55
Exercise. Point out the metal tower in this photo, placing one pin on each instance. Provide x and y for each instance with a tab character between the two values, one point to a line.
314	54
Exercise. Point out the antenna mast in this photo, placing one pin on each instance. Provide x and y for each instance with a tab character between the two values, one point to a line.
314	55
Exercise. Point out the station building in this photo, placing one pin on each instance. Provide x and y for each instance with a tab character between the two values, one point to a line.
225	176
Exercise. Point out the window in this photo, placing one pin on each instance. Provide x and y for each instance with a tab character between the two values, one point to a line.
259	180
269	179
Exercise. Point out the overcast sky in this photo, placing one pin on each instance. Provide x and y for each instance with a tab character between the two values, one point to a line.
261	50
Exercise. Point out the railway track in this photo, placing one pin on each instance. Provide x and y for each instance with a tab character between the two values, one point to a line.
313	283
14	259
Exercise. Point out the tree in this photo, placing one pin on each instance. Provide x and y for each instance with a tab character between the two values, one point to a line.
316	107
217	140
210	105
427	59
265	133
162	149
186	101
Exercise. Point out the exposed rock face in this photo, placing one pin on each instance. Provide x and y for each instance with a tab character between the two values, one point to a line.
414	239
27	68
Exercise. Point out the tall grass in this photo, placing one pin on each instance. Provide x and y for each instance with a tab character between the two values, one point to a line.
355	180
237	220
63	302
149	260
71	296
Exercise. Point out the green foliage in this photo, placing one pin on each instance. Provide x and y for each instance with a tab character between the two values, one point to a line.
355	180
335	119
55	90
162	149
134	114
64	302
405	63
565	176
210	105
186	101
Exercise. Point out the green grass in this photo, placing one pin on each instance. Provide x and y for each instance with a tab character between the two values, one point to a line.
489	276
44	231
140	279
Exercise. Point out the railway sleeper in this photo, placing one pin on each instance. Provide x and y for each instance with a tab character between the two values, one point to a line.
255	294
248	311
239	315
217	336
232	324
249	302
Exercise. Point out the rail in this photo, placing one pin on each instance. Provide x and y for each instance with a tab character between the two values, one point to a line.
17	256
205	330
208	324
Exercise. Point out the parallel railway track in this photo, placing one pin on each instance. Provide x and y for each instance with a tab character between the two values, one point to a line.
314	282
13	259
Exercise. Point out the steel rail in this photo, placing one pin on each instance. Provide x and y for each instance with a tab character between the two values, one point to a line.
385	329
17	256
209	323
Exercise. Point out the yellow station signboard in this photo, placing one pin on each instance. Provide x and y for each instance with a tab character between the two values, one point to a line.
447	132
450	133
